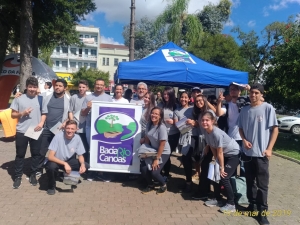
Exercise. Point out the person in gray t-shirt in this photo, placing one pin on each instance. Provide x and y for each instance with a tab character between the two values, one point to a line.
226	152
63	150
258	128
27	108
141	91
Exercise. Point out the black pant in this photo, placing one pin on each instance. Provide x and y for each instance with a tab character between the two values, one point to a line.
47	137
21	147
230	165
154	174
204	183
257	179
52	168
86	155
173	142
187	161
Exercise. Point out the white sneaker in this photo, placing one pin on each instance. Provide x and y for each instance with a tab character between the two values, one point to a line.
213	202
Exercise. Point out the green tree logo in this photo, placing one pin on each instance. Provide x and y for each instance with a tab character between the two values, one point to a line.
112	118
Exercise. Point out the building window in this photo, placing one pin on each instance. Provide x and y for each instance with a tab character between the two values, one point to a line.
107	61
57	63
124	60
73	51
80	36
93	52
116	62
86	64
57	49
86	36
79	64
93	65
86	51
73	64
64	64
95	38
103	61
65	50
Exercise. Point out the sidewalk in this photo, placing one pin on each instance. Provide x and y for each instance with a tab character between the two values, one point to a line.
122	202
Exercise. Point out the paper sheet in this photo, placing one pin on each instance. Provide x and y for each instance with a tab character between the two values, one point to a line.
182	126
79	117
33	134
168	115
55	129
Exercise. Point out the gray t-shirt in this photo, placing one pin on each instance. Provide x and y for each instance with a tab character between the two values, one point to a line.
256	123
75	106
156	134
55	109
136	100
169	114
219	139
65	148
188	113
21	104
93	97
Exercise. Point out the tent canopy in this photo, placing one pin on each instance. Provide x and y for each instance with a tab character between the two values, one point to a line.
170	65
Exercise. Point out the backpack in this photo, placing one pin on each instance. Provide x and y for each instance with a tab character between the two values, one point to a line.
239	188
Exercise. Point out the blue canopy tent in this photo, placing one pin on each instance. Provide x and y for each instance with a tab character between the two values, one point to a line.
170	65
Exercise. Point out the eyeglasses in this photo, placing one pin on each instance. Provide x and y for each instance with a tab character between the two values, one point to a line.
141	88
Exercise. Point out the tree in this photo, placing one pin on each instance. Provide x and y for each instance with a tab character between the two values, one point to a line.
146	39
258	52
283	74
220	50
182	28
90	75
213	17
112	118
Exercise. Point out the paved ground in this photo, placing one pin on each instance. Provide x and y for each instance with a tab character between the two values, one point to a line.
122	203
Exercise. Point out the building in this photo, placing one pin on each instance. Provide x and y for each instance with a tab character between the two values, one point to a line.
109	57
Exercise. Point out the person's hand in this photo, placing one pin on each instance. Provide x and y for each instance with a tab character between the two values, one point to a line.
67	168
27	111
62	126
267	153
221	97
82	168
142	141
222	173
169	121
18	94
247	87
39	127
190	122
89	104
155	164
247	144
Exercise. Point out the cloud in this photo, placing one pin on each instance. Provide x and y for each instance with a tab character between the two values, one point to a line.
283	4
251	23
229	23
90	18
266	12
109	40
119	10
235	3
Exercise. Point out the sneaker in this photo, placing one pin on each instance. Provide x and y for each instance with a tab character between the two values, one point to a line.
90	176
199	196
39	173
161	190
251	208
213	202
147	190
32	180
263	220
228	208
103	177
51	191
17	182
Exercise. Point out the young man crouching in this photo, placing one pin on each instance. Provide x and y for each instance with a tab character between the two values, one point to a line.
62	154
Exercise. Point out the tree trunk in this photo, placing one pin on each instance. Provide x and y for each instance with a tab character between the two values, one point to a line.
26	33
131	37
35	44
3	42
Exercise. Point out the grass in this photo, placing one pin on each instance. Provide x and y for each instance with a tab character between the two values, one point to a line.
287	145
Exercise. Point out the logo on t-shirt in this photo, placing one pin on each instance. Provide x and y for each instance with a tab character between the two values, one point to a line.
72	150
259	118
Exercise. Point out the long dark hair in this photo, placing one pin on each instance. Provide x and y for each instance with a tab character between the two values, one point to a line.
128	94
197	111
160	122
171	104
151	104
181	93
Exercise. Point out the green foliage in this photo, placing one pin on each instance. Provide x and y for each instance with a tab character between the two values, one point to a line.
103	126
283	75
156	89
220	50
147	40
132	127
45	55
90	75
182	28
212	17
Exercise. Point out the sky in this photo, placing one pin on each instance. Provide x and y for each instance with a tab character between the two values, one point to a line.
112	15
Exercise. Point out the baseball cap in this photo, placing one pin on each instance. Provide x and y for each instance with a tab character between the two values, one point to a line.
258	87
196	88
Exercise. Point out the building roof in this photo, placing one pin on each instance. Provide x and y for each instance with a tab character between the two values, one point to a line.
111	46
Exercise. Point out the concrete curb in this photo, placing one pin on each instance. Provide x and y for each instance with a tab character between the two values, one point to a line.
286	157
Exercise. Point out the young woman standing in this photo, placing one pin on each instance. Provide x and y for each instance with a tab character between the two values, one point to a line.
118	95
226	152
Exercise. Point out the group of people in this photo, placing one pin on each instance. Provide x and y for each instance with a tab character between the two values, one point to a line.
250	133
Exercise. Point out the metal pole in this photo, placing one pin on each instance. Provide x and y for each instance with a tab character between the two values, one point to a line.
132	25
